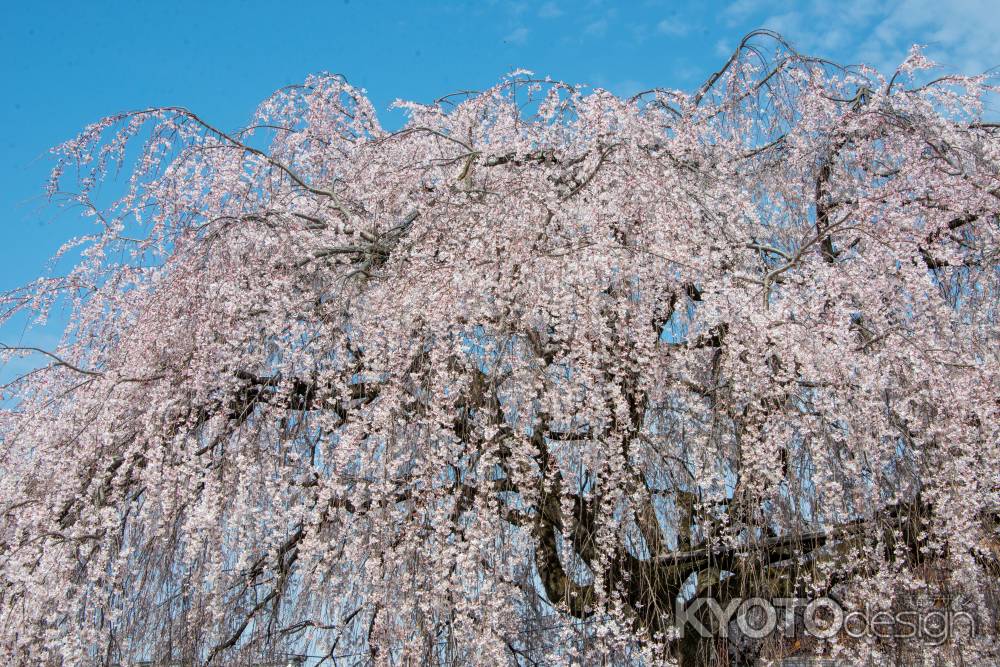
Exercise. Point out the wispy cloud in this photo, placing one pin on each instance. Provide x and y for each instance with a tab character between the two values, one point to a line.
671	27
961	34
723	48
549	10
596	28
517	36
740	10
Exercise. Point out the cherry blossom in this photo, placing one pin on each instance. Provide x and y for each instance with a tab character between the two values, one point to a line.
503	385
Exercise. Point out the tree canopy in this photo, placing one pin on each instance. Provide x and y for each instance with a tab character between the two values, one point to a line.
505	384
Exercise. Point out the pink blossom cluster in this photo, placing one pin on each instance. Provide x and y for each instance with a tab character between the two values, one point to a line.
501	386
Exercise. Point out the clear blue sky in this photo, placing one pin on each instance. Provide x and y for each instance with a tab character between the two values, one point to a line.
66	64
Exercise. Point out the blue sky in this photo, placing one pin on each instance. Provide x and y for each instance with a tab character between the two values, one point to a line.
65	64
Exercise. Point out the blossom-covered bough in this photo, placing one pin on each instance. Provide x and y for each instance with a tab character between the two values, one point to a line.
518	383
